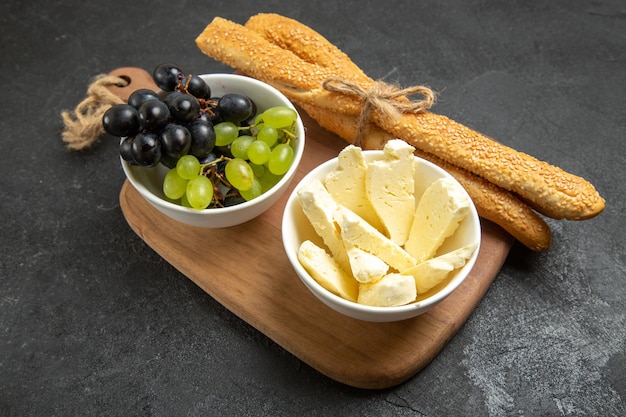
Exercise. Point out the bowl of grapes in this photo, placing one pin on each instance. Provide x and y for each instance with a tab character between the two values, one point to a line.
211	150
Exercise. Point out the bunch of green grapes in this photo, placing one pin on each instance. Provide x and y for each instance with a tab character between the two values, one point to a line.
219	150
260	154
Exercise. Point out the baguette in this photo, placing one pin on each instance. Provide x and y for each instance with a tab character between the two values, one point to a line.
492	202
312	47
304	42
551	190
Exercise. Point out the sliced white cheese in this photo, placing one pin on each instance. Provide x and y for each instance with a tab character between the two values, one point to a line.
441	208
361	234
390	290
318	206
346	184
326	271
365	266
432	272
390	186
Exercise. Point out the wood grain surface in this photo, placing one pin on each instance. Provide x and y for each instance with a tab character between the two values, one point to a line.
246	270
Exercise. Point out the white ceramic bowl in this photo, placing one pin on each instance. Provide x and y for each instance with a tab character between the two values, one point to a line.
149	181
296	229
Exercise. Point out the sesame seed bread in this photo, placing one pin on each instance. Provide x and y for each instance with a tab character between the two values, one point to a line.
297	60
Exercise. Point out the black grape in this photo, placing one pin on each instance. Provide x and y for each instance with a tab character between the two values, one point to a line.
207	159
138	97
169	97
121	120
175	140
167	76
202	138
184	108
197	87
234	107
126	151
168	161
154	115
146	149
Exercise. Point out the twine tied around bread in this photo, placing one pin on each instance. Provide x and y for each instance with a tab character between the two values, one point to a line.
381	97
83	125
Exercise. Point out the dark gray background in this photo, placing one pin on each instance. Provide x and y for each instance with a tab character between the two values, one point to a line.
93	322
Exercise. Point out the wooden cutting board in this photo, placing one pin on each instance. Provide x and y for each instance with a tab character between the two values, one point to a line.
246	270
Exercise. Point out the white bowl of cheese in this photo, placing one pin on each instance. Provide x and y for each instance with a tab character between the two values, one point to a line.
380	236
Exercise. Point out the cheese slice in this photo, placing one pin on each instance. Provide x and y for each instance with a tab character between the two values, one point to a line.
430	273
390	186
318	206
326	271
441	208
361	234
346	184
365	266
391	290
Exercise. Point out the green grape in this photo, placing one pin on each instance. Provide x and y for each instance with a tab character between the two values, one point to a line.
268	180
257	128
239	147
281	159
257	124
184	202
268	134
199	192
188	167
253	192
225	133
171	200
257	169
282	135
259	152
174	185
239	173
279	116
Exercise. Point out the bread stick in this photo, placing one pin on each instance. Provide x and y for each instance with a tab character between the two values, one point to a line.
553	191
314	48
492	202
529	228
252	54
304	42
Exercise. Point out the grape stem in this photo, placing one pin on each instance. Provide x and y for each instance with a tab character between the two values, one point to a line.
209	170
289	134
206	104
214	162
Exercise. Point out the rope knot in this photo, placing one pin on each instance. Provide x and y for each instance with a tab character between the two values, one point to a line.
83	125
382	97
